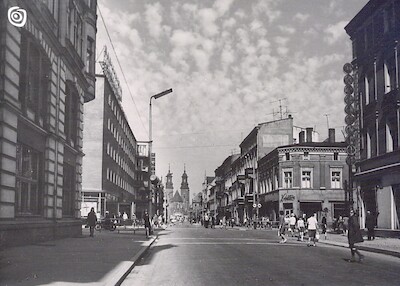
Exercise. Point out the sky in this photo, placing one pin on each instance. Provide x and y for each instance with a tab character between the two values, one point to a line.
231	65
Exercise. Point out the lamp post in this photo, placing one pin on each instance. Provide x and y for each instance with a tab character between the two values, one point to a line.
158	95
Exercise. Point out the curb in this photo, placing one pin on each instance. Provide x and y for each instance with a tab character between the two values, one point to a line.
117	276
365	248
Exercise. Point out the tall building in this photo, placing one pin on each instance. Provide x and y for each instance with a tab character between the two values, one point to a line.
110	177
46	75
375	32
185	192
169	191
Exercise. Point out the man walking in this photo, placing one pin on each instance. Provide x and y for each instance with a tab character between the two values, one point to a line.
292	224
312	225
370	224
91	221
354	236
282	227
147	225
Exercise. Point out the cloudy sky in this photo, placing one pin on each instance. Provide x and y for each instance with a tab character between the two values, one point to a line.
229	63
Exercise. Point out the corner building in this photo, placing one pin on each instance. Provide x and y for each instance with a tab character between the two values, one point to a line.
375	35
46	76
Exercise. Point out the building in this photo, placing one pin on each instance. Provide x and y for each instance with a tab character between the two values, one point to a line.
197	204
303	178
185	192
206	195
110	177
375	32
46	76
168	191
176	205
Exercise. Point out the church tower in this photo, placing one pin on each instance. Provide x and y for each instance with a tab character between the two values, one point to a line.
169	186
185	193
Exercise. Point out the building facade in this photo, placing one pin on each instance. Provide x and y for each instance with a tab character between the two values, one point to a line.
46	76
303	179
375	32
185	192
110	178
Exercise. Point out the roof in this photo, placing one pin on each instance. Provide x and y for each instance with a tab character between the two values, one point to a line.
209	179
176	198
316	144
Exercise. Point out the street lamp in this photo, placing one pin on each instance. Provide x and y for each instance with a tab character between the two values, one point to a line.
158	95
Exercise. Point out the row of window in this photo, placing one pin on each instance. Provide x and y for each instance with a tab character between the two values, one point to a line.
119	116
119	181
306	179
128	149
119	160
371	141
306	156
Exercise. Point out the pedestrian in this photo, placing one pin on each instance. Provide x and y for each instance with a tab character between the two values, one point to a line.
346	225
124	216
370	225
147	225
354	236
312	225
300	227
324	226
292	224
282	227
212	222
232	222
224	222
91	221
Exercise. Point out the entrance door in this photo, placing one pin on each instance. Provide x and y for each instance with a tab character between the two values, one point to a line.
309	208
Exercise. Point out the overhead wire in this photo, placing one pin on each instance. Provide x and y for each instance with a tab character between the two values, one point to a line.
122	71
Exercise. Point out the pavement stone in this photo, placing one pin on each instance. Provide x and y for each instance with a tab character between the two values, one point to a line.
100	260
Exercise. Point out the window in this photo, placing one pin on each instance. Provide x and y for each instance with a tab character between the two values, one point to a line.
34	80
90	56
386	74
335	156
336	179
75	28
306	156
287	179
28	195
306	179
71	114
287	156
366	86
68	198
389	139
368	145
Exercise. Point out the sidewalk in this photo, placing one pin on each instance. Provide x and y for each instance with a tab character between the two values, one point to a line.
389	246
101	260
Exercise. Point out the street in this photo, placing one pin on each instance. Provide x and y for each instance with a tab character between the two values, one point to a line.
193	255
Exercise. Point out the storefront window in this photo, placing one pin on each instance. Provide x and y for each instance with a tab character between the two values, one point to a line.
28	196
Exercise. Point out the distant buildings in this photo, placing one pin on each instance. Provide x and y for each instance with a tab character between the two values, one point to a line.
280	167
178	202
46	75
375	33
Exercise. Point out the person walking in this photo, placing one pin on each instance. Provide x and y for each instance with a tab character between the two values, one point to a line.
292	224
147	225
354	236
324	226
224	222
300	227
282	227
312	225
91	221
370	225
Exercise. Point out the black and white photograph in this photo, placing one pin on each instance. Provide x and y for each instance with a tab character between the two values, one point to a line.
199	142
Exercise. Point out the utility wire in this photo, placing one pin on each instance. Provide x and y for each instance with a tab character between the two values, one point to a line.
122	71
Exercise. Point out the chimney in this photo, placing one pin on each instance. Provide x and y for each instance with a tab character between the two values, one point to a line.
301	137
309	131
331	136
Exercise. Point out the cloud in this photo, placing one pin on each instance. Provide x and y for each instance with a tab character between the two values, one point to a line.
207	19
334	33
301	17
287	29
222	6
267	8
153	16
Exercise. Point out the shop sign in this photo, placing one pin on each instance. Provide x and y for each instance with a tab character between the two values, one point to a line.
287	197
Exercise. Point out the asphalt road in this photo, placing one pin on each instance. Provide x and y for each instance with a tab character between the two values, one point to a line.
197	256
